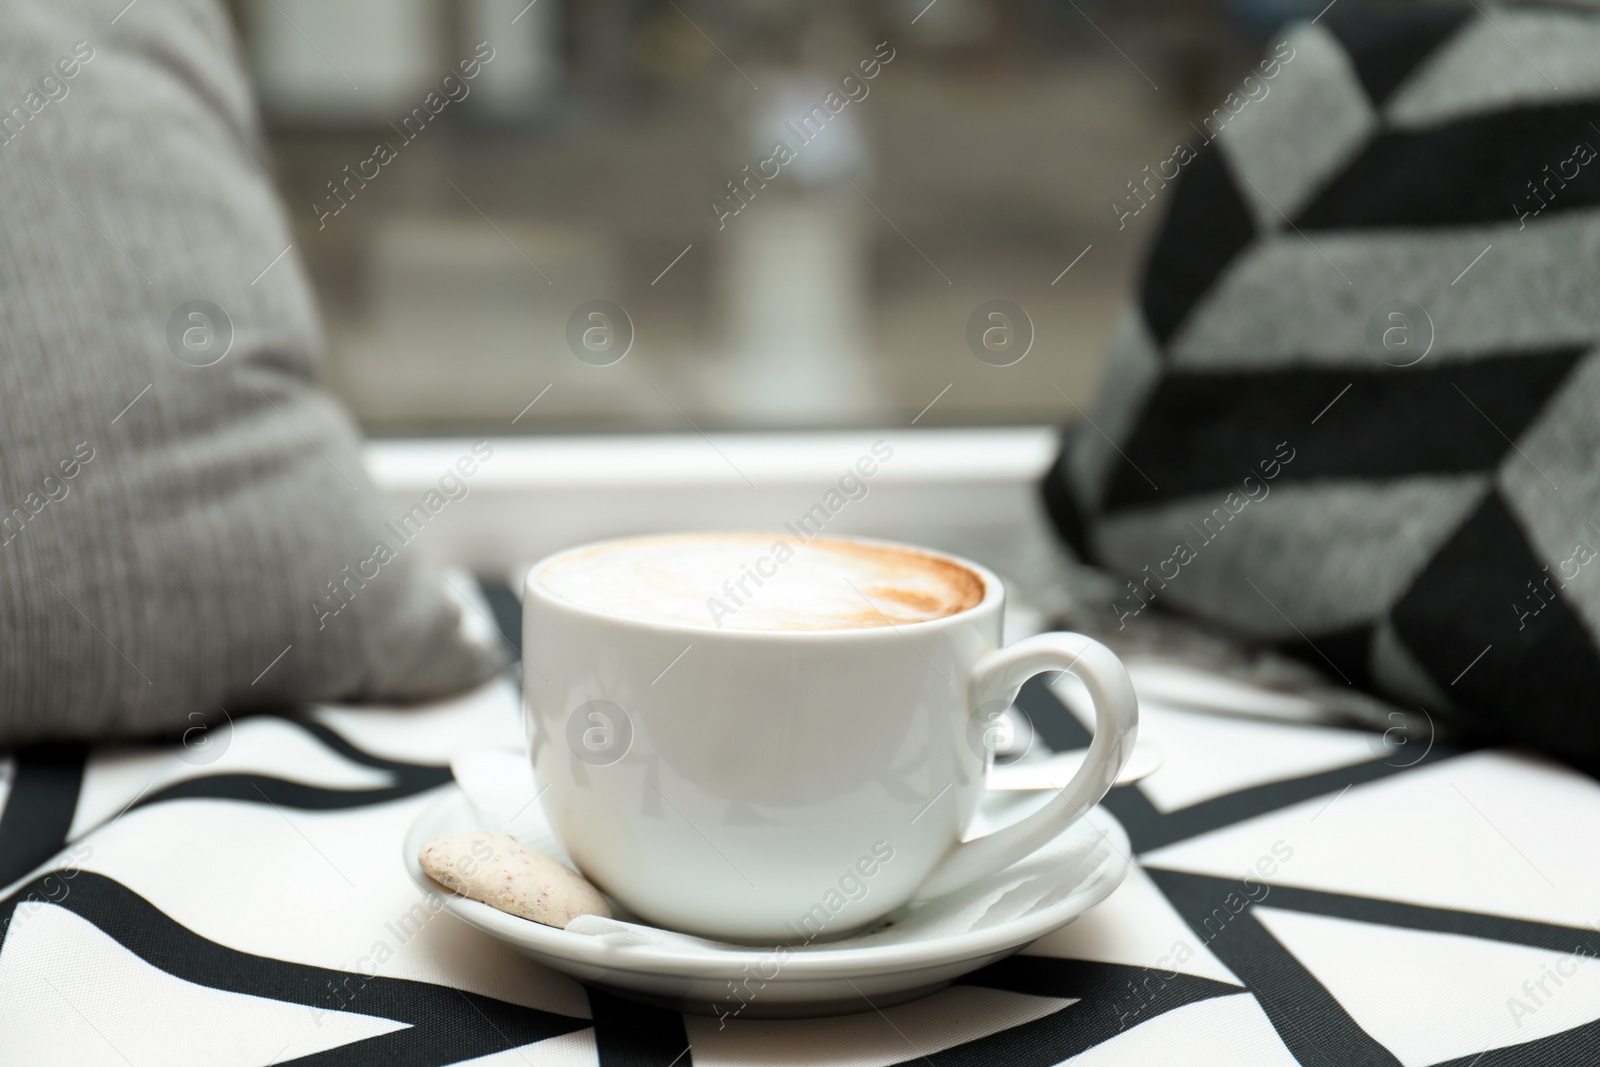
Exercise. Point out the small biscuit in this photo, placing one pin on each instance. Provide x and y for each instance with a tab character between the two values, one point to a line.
503	873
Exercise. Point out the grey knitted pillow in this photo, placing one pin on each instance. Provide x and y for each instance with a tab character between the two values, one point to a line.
179	504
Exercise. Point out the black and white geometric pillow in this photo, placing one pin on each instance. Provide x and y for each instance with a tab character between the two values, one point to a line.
1356	408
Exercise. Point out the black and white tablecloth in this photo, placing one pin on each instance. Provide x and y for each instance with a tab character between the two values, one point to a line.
1304	894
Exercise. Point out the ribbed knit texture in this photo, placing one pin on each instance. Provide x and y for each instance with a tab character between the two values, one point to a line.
179	561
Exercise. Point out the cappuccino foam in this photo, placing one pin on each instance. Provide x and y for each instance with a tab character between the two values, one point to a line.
762	582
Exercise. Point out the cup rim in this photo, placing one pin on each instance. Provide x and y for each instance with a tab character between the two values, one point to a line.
993	594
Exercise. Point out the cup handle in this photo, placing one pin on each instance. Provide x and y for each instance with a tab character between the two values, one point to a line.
997	677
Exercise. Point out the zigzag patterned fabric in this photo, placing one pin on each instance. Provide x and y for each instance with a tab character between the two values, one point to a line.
1354	411
244	903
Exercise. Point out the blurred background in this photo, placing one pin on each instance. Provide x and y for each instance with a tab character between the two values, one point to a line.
459	229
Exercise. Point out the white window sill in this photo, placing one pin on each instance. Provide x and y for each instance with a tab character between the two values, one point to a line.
973	491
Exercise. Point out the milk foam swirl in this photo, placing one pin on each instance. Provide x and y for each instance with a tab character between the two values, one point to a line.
762	582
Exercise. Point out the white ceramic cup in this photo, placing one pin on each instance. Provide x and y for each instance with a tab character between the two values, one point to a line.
788	785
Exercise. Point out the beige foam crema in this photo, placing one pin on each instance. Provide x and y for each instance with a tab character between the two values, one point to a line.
763	582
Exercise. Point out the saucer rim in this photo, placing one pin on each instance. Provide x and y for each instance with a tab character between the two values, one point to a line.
812	964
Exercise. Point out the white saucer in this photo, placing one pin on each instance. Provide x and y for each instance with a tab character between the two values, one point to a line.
855	973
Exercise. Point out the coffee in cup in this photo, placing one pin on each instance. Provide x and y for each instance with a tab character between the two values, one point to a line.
754	738
757	582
